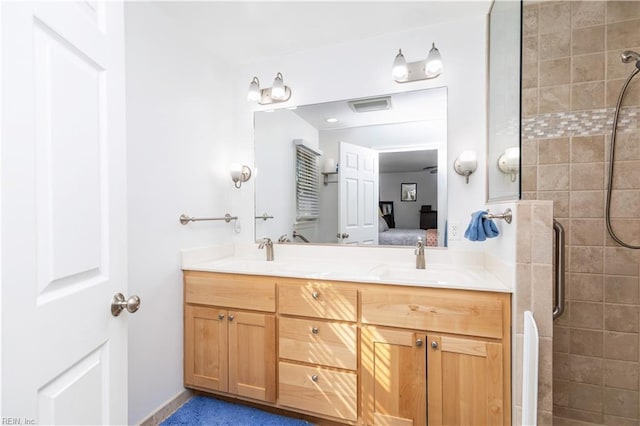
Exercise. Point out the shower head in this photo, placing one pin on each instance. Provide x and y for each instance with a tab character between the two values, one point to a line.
629	56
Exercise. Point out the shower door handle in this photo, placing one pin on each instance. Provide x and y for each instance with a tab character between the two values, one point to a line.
558	261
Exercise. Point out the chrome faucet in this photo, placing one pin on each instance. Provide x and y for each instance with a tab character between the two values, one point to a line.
268	244
419	254
284	239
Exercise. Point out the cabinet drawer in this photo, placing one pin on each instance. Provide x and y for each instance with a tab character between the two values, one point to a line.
451	311
229	290
318	342
318	390
318	299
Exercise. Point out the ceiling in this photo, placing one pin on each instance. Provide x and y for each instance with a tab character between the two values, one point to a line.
240	32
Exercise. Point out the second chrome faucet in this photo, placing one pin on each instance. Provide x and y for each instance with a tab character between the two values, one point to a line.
267	244
419	254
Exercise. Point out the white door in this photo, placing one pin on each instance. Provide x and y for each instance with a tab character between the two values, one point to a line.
358	195
63	212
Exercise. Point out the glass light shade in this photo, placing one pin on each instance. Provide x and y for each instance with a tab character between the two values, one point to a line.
254	90
278	90
513	158
468	161
399	70
434	62
235	170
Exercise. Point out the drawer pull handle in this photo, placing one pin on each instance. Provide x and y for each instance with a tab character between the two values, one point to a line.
220	316
434	345
315	330
231	317
419	342
314	377
315	295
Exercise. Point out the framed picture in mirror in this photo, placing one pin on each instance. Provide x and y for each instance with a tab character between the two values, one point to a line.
409	191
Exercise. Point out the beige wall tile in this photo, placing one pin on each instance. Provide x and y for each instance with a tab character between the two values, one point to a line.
623	403
553	99
529	178
556	45
560	339
625	203
542	298
545	374
621	318
529	102
586	287
626	175
523	293
561	392
586	315
631	96
587	40
620	346
530	20
587	149
586	342
587	176
585	397
518	367
627	146
621	261
529	153
553	151
587	96
541	237
554	17
529	77
561	366
617	69
585	369
621	374
587	13
621	35
619	421
528	195
588	68
627	229
586	232
560	202
622	10
579	417
555	72
621	289
523	240
530	50
545	418
553	177
586	259
585	204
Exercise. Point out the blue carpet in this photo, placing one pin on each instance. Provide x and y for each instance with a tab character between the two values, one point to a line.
201	410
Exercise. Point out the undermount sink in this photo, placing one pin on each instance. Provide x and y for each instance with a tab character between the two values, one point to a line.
427	276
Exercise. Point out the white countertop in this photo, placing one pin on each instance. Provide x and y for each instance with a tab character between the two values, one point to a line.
397	269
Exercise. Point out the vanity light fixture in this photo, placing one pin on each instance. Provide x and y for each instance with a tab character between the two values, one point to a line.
403	72
509	162
239	174
465	164
271	95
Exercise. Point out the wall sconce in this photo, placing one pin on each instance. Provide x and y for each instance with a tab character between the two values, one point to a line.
239	174
404	72
509	162
271	95
466	164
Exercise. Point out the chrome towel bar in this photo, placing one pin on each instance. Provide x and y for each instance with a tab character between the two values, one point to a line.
507	216
558	260
184	219
265	216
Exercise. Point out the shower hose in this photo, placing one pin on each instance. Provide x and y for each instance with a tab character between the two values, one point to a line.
627	56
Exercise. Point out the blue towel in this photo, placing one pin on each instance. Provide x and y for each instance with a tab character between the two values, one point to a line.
480	228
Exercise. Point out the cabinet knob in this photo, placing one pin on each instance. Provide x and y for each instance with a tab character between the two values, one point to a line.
434	345
419	342
315	330
315	295
220	316
231	317
314	377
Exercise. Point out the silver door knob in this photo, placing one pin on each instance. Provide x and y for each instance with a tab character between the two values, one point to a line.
231	317
342	235
314	377
315	330
434	345
419	342
118	304
315	295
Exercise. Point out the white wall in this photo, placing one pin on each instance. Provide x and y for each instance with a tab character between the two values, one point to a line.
407	213
321	75
179	144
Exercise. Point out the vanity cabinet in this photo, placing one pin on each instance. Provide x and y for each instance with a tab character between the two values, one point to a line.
229	348
318	347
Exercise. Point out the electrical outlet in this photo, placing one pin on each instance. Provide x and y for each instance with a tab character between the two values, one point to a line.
454	231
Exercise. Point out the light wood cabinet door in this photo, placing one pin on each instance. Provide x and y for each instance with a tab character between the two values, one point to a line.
394	380
465	381
252	355
205	347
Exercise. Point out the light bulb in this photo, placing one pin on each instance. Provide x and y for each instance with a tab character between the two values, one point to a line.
434	62
254	90
278	91
235	170
399	70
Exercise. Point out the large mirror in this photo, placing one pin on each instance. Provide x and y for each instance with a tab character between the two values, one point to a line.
503	157
368	171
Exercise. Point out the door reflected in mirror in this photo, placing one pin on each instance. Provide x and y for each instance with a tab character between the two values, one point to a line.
362	171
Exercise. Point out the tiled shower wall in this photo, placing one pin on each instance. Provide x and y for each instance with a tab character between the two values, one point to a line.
572	75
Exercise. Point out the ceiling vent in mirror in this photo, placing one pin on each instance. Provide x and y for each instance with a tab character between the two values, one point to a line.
371	104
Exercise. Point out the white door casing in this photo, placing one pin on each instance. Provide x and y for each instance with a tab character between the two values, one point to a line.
63	219
358	190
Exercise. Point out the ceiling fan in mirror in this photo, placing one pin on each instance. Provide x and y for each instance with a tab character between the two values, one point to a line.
431	169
